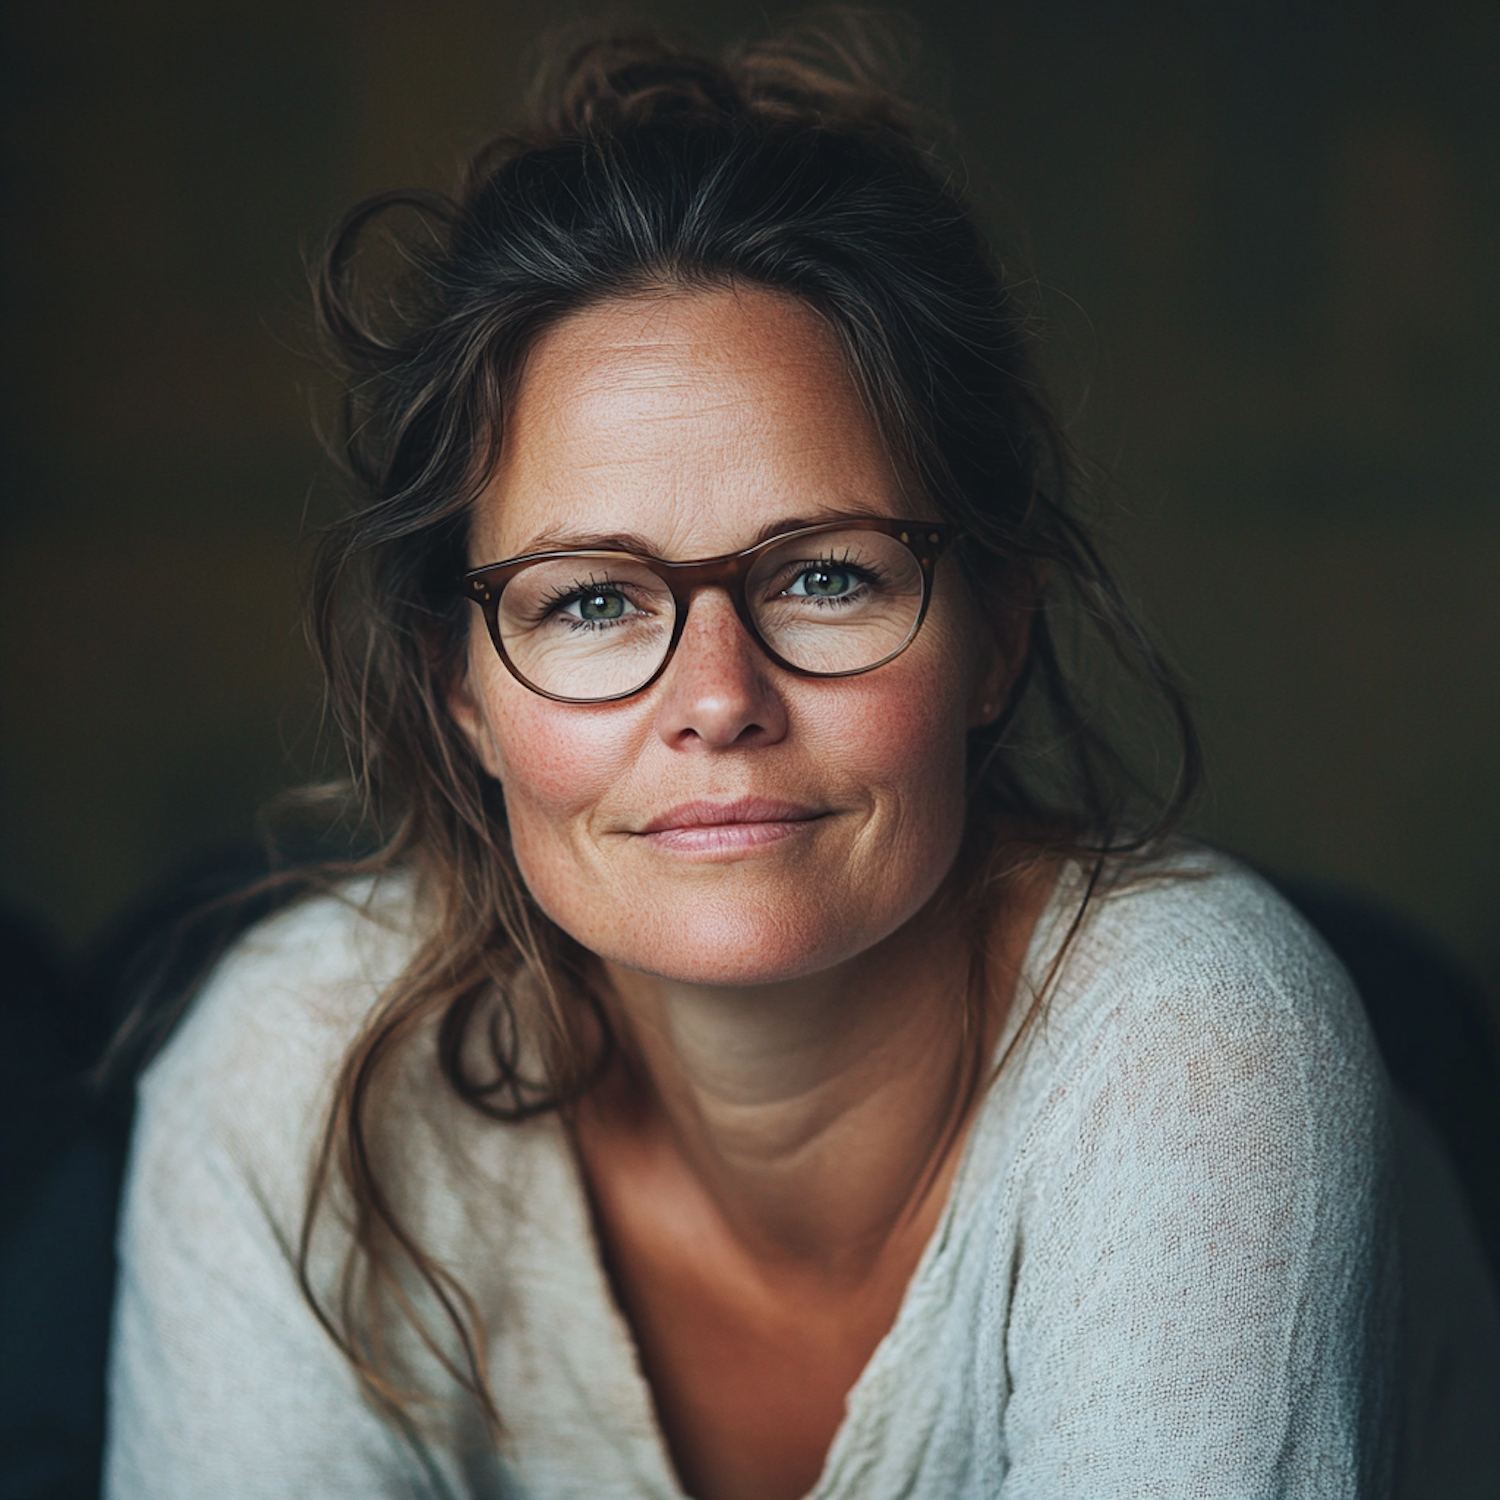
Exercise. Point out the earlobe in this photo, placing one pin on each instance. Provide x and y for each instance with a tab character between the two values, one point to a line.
1004	661
991	691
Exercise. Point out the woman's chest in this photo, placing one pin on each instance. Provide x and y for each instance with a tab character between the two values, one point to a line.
749	1361
749	1390
621	1362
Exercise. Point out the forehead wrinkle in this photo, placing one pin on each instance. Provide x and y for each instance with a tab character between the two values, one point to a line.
570	410
734	436
662	345
606	355
768	419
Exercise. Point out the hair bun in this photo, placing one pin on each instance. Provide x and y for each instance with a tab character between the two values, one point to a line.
629	79
841	69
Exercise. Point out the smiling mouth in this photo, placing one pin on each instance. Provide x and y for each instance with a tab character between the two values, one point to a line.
728	827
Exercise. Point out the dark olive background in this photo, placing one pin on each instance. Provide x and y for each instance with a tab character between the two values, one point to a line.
1269	233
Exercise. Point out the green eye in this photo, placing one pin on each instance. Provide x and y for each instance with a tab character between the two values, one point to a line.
823	583
601	606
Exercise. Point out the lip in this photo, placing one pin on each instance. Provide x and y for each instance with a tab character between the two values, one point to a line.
727	827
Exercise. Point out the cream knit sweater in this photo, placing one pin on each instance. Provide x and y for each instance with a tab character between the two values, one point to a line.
1167	1267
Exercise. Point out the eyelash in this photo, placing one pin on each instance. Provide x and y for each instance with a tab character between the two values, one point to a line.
558	601
562	597
862	575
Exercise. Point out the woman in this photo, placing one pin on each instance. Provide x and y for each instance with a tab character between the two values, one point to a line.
776	1051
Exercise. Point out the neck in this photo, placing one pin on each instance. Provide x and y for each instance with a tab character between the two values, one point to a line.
819	1116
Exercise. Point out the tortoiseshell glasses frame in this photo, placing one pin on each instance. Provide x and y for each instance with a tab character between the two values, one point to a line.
924	540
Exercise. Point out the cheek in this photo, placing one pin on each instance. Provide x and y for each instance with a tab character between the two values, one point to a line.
557	763
913	729
898	742
546	755
554	766
912	745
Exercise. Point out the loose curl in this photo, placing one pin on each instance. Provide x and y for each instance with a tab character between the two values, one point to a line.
647	164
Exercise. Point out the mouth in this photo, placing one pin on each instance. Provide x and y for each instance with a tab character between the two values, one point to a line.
728	827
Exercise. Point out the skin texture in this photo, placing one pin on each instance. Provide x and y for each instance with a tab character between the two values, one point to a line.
770	1156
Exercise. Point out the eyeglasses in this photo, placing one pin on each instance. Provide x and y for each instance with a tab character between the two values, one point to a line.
824	601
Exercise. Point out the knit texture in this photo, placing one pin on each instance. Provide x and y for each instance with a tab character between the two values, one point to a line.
1165	1269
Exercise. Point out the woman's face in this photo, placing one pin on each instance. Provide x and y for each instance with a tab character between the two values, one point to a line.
733	824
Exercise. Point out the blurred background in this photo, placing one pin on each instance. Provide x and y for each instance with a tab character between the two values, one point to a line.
1268	233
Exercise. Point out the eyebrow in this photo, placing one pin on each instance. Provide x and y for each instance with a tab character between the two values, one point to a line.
560	539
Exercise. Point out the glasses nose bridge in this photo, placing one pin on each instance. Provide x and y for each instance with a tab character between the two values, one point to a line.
686	579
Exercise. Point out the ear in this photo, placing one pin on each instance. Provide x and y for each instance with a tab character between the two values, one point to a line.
466	706
998	667
1006	642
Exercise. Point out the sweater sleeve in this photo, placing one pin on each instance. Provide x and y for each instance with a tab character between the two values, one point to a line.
221	1381
1200	1302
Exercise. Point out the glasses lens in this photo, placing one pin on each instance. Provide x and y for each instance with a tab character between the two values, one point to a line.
587	625
838	601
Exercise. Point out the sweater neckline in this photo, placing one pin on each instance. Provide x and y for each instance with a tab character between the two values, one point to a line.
626	1374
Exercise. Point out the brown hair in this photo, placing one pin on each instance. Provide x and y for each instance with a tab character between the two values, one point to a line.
646	162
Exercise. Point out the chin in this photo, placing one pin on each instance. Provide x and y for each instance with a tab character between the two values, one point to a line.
740	944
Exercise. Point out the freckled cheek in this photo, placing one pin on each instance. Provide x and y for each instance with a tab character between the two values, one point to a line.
558	763
904	740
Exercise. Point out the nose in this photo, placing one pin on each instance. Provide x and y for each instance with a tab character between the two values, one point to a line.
719	689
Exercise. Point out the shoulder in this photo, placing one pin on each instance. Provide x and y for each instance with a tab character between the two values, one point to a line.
1198	1197
293	987
1192	998
1198	911
249	1070
214	1348
1196	938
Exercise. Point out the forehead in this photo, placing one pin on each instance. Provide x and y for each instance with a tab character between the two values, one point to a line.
689	423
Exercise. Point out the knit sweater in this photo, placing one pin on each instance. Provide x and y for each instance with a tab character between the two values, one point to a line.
1166	1266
